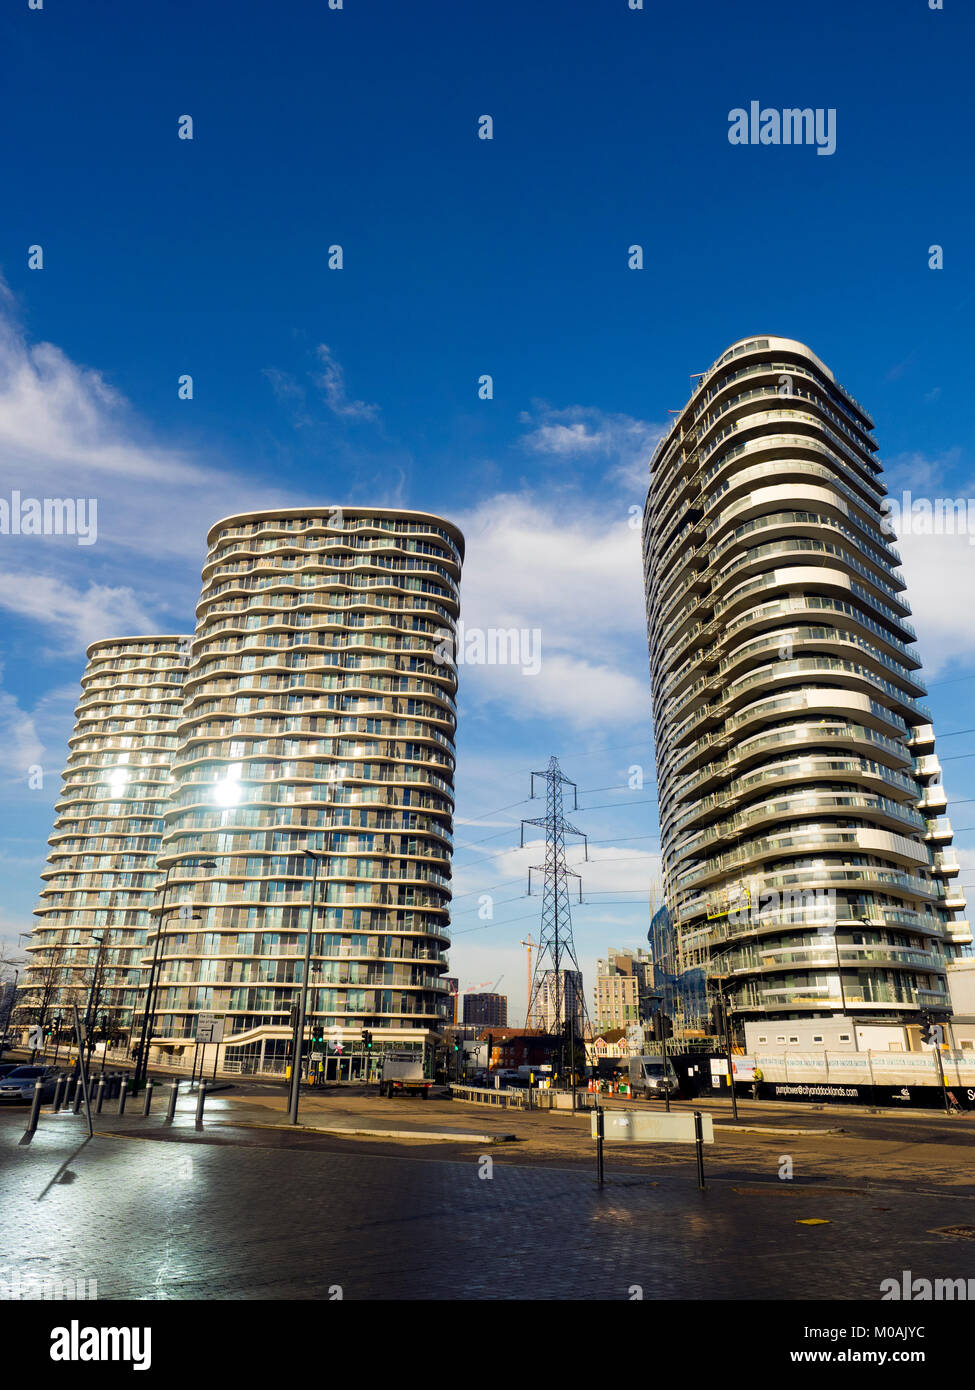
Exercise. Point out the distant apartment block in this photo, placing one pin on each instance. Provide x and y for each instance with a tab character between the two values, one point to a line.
624	986
487	1009
560	1000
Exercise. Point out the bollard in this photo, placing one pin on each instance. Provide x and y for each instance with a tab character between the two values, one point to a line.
148	1097
699	1140
58	1092
600	1136
200	1102
122	1095
79	1095
173	1093
100	1098
35	1106
68	1092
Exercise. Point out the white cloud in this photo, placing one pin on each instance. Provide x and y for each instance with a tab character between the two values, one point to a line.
67	432
584	432
20	744
576	577
332	383
78	616
939	570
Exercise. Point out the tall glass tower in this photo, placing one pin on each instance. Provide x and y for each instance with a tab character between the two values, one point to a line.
102	873
804	841
318	720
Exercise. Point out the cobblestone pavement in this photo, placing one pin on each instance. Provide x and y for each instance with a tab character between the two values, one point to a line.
235	1213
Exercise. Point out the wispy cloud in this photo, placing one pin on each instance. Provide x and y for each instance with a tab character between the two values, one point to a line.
79	615
331	382
583	432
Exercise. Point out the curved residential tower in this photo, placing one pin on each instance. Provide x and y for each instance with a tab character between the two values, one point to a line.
318	716
101	875
802	817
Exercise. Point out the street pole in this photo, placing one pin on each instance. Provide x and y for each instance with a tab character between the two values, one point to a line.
727	1035
82	1073
299	1033
89	1040
141	1065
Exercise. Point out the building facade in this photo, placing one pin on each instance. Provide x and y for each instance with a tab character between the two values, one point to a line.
624	989
805	847
317	730
102	868
486	1009
559	1000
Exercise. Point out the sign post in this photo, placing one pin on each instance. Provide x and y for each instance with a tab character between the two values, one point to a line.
652	1127
209	1028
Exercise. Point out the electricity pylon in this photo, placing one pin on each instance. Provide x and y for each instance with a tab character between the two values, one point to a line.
555	944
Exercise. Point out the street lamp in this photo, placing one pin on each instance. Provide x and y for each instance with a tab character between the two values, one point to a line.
142	1060
726	1019
298	1039
91	992
663	1047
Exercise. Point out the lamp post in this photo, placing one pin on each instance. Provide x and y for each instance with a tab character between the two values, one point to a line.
142	1061
721	981
91	992
4	1027
298	1039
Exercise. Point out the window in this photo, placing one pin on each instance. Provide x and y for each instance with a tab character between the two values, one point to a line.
763	1038
793	1038
817	1037
844	1037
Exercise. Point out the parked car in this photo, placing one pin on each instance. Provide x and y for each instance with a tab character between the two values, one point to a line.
6	1067
19	1083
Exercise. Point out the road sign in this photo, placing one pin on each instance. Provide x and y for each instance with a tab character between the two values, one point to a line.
35	1037
318	1056
636	1127
209	1028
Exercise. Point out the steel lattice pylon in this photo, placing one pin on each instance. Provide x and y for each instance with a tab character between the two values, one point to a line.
555	946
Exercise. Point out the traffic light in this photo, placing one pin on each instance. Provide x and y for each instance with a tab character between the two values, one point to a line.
317	1032
367	1039
293	1017
931	1031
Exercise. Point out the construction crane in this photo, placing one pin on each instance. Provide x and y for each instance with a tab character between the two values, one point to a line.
528	997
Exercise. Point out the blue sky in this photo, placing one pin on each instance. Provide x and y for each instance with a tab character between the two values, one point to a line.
358	127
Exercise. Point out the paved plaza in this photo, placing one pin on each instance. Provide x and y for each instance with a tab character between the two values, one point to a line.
244	1211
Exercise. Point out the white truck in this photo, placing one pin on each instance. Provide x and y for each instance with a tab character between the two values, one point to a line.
402	1074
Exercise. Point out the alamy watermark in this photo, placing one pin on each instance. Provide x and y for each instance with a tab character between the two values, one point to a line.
928	516
815	906
50	516
491	646
909	1289
19	1285
792	125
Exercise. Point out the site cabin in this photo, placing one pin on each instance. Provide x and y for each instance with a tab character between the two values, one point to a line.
402	1075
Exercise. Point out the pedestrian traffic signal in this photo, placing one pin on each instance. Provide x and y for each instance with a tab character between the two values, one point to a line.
931	1031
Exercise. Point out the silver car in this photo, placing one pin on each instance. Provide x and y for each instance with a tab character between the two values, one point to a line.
19	1083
